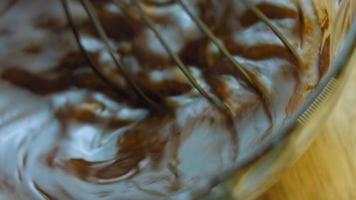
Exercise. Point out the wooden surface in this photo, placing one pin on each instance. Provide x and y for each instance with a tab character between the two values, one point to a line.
327	171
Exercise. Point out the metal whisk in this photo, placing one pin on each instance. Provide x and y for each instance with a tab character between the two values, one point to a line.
218	103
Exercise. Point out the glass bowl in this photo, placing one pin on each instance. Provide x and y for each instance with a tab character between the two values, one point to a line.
255	173
260	171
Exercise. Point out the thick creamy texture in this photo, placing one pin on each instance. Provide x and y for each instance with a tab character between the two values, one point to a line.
64	134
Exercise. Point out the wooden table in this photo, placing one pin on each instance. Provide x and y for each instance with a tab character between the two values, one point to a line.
327	171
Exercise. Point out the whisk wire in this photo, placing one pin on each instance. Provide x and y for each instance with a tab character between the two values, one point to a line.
204	28
220	105
237	65
108	79
275	30
90	10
